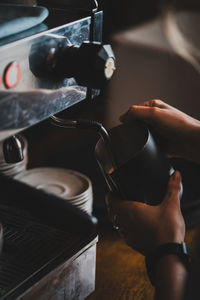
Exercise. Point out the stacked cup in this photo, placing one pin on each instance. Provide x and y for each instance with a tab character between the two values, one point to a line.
12	169
70	185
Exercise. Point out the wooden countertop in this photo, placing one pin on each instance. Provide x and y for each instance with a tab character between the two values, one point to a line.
120	273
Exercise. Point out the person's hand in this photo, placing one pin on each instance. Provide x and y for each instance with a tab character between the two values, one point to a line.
143	226
178	133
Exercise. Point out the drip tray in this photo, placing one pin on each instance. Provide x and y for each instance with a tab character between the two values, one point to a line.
32	250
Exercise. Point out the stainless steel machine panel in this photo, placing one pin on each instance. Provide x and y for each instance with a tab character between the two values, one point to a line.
27	97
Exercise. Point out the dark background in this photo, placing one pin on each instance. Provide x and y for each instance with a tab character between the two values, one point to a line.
122	14
117	14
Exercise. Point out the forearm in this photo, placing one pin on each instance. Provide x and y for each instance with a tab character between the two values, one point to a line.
171	277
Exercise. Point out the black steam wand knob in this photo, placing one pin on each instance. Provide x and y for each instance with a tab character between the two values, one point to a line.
92	64
13	150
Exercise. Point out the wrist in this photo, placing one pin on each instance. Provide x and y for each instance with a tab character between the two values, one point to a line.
170	278
166	262
164	254
176	237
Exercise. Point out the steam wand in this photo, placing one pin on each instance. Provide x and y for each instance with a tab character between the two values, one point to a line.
87	124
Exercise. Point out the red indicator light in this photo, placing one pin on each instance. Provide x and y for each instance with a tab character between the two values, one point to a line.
12	75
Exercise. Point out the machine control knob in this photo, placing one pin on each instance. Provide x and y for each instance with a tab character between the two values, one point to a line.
13	150
92	64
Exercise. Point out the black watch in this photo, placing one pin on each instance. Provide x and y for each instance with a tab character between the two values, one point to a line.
180	250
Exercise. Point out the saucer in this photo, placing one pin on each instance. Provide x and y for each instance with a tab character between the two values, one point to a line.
68	184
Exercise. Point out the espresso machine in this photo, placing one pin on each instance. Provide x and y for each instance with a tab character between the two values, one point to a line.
49	245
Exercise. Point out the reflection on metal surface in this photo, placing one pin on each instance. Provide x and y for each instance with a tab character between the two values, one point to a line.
22	109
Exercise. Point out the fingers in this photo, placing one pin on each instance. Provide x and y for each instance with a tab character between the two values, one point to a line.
154	103
122	209
113	205
146	111
173	189
118	212
135	113
143	113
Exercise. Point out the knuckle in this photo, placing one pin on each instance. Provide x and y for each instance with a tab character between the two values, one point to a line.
156	102
174	186
154	111
132	109
172	194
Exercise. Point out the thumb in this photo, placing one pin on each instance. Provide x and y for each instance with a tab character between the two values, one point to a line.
136	112
173	189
